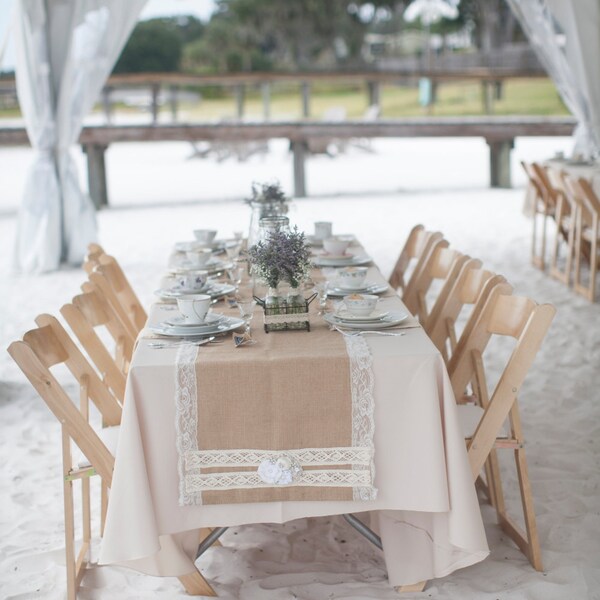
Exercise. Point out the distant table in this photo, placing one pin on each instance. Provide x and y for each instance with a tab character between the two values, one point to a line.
426	510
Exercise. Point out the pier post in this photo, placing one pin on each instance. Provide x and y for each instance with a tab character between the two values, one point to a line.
97	174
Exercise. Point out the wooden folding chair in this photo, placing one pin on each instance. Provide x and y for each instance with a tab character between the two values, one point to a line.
41	349
92	258
587	233
442	264
110	280
417	245
544	205
565	221
483	422
471	288
88	311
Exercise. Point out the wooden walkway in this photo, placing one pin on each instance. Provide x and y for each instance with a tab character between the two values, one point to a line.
499	133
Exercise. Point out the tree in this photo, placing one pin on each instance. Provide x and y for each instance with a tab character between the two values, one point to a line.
251	35
155	46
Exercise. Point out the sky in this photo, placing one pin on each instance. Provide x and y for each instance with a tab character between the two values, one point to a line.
155	8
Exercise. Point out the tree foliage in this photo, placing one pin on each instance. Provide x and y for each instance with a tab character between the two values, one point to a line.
156	45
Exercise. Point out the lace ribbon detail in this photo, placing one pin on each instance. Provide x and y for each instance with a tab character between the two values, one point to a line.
186	417
250	479
363	406
250	458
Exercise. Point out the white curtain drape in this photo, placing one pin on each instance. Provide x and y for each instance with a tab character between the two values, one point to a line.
65	51
566	36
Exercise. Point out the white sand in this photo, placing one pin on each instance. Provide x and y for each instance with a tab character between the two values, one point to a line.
379	197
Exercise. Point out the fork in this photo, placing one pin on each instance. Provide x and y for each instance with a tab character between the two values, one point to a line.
167	344
354	333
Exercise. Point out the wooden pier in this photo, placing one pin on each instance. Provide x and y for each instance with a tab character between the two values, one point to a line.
498	132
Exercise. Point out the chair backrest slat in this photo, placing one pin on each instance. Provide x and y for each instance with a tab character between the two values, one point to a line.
96	350
417	245
63	408
106	403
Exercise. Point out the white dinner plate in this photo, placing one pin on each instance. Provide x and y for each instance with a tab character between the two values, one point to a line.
180	321
393	319
354	261
377	315
227	324
375	288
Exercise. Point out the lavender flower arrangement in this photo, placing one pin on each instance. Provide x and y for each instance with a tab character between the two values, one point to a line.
285	256
267	193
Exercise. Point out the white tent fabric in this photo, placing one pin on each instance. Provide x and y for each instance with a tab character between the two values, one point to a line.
574	66
65	50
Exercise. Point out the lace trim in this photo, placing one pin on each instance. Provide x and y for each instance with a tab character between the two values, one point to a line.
305	456
250	479
186	417
363	406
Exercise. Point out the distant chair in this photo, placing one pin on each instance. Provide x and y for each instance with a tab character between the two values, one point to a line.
442	264
587	233
417	246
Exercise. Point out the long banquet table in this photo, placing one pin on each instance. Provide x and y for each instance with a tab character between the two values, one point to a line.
426	510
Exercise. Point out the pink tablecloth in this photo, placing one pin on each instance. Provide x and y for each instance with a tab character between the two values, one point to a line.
426	510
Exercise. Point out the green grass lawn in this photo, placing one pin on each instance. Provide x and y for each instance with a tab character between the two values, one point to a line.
535	96
520	97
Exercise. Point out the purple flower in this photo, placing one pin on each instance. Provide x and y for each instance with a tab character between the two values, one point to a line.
285	256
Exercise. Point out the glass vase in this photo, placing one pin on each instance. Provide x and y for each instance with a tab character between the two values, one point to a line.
261	210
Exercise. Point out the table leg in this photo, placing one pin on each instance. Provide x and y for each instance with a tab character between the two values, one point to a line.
205	532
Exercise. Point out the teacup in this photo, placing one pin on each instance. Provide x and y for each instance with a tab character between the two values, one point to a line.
206	236
352	278
361	305
335	246
193	281
194	307
198	257
323	229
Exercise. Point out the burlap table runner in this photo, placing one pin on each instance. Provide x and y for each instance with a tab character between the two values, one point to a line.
304	397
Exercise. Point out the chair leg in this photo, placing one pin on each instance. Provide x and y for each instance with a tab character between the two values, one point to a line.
534	552
103	506
593	262
536	259
70	540
196	585
86	510
413	587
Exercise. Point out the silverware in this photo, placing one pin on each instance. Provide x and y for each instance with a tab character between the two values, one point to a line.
355	333
176	344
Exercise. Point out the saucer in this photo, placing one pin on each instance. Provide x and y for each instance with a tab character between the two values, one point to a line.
374	288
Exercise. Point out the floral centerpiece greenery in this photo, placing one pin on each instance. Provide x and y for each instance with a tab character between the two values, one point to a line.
267	193
284	256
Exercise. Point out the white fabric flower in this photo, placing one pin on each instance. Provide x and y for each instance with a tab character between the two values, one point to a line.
286	477
269	472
